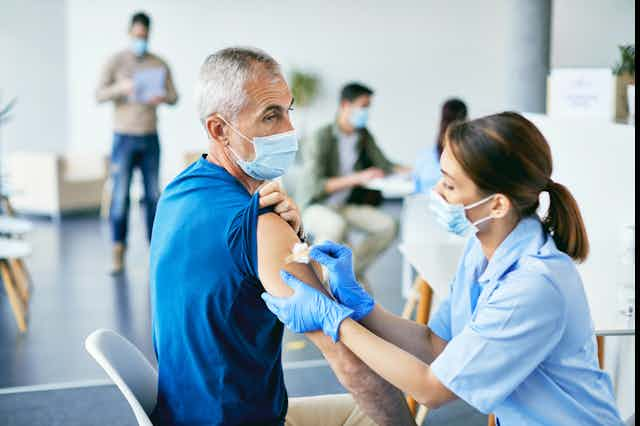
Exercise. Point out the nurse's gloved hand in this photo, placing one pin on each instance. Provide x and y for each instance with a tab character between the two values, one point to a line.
345	288
307	309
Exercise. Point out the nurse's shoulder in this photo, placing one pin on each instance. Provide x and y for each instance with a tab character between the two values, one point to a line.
534	286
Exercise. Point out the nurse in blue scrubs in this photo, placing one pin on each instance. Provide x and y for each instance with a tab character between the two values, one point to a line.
515	336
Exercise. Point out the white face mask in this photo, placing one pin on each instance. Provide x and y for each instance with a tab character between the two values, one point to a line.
274	154
452	216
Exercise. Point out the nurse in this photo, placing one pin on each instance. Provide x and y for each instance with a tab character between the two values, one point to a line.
515	335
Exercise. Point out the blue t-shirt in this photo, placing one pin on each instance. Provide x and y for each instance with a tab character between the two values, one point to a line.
218	346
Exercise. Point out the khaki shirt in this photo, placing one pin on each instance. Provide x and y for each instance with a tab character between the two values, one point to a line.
131	117
321	159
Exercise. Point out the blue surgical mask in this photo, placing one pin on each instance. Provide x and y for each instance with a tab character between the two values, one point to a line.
452	216
274	154
139	46
359	118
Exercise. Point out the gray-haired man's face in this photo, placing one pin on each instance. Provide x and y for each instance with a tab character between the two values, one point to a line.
266	112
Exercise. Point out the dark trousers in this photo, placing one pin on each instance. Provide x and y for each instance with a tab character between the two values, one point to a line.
129	152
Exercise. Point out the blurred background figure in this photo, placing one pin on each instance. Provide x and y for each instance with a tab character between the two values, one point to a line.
427	170
339	161
136	81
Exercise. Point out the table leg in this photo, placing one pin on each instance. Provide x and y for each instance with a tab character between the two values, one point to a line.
21	278
14	298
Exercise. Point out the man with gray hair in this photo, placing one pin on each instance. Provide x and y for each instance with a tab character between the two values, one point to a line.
216	248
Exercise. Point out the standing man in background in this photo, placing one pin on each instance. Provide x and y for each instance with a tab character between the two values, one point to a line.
339	161
136	81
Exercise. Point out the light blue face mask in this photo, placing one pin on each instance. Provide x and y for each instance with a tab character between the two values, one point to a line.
274	154
359	118
452	216
139	46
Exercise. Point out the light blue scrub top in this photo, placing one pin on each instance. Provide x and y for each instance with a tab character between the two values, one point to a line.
521	340
426	172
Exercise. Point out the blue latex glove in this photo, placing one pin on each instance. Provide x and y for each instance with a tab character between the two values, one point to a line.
307	309
338	261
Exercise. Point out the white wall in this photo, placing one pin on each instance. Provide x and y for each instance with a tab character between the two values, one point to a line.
33	68
586	33
414	54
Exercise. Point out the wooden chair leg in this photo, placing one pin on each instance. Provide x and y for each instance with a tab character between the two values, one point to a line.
425	295
424	303
14	298
21	278
413	406
600	342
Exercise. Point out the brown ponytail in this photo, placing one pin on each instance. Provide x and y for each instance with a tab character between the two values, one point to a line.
565	223
506	153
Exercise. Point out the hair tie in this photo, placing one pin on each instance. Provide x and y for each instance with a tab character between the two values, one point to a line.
549	186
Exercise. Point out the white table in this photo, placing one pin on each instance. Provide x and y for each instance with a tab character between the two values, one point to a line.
393	186
437	261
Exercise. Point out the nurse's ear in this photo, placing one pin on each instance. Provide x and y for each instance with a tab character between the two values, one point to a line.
500	206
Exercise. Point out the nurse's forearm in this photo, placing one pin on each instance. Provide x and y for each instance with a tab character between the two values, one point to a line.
398	367
377	398
417	339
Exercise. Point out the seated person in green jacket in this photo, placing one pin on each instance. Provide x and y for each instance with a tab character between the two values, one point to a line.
339	160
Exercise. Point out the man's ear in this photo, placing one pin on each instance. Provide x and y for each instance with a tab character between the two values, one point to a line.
501	206
216	129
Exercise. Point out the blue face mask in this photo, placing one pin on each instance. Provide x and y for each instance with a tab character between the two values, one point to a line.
452	216
139	46
359	118
274	154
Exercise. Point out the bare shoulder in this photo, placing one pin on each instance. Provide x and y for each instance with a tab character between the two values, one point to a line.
275	242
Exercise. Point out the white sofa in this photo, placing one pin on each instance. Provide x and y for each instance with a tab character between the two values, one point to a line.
51	184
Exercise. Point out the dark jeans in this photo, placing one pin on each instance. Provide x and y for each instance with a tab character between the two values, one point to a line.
130	151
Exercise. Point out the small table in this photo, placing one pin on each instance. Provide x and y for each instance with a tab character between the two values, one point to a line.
393	186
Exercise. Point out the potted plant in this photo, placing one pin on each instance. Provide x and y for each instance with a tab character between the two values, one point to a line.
305	87
625	72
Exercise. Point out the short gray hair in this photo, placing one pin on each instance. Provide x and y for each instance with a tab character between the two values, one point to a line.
223	75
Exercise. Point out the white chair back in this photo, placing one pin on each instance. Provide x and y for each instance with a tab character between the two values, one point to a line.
136	378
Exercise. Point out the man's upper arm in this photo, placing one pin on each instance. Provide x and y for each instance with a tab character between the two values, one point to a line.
275	242
378	158
104	91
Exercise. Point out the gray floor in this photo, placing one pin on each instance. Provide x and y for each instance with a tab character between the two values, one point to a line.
73	295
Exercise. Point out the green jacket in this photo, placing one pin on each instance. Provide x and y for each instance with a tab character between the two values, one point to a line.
321	161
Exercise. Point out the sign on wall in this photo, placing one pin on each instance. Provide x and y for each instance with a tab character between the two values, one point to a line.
581	92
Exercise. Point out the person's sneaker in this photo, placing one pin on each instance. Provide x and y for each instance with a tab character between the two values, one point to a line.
118	259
